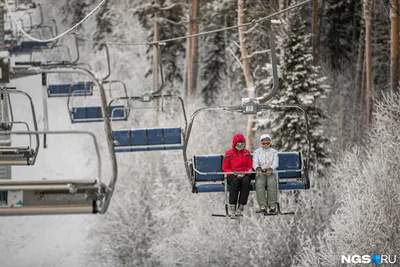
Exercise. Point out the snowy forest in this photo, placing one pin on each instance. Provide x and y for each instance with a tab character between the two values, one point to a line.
336	58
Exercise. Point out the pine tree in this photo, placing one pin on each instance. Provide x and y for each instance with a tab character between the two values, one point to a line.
170	15
342	27
302	84
214	47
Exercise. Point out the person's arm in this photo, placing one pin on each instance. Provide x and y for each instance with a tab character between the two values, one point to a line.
275	163
256	163
226	164
250	163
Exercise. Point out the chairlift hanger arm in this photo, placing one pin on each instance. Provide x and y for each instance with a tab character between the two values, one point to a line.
107	125
182	104
125	91
275	86
161	87
154	96
308	135
108	61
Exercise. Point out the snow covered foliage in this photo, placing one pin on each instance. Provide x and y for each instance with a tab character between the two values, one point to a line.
167	17
215	67
300	83
342	29
366	180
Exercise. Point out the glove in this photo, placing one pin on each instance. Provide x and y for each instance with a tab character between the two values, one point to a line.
268	172
238	174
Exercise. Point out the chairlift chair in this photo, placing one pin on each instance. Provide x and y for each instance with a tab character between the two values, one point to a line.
26	155
68	196
205	171
150	139
86	114
43	197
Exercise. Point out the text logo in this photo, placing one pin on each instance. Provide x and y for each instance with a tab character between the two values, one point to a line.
374	259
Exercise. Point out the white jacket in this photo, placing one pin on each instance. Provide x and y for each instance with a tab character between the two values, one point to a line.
265	158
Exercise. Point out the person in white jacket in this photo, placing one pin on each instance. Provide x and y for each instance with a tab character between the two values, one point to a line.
265	162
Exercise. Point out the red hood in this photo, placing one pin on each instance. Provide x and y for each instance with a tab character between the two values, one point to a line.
238	138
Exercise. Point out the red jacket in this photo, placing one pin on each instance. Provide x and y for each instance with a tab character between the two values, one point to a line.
235	160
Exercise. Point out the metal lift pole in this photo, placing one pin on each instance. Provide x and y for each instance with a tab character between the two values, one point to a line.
5	171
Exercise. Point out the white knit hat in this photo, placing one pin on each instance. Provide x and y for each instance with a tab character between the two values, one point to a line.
265	136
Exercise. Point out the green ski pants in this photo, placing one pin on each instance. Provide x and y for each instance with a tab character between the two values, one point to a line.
271	184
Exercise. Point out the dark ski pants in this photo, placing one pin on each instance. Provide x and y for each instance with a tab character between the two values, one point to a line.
238	185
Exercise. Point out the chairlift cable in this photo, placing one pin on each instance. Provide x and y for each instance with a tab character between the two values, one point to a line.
58	36
252	23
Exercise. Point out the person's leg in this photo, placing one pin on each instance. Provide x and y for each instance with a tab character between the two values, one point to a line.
244	193
234	187
261	182
244	190
272	190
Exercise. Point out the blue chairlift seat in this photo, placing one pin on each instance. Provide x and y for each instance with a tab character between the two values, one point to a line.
32	44
214	182
147	139
27	47
95	114
80	89
7	42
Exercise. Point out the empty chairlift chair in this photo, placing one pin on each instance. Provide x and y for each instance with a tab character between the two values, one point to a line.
66	89
150	139
27	47
147	139
65	196
21	155
95	113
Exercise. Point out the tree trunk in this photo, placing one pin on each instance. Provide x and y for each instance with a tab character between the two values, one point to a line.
358	88
246	73
194	47
394	45
156	73
368	57
315	33
282	4
188	60
157	36
227	58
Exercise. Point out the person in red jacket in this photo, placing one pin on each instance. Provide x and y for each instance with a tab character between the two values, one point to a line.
238	159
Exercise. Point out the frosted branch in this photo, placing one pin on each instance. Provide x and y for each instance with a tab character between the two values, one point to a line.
235	57
257	53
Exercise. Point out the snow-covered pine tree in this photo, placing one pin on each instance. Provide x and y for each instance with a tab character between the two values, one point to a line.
300	83
342	28
381	47
170	14
214	65
258	41
104	19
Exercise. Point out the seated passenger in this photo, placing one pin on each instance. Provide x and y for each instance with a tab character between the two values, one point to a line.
265	162
238	159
